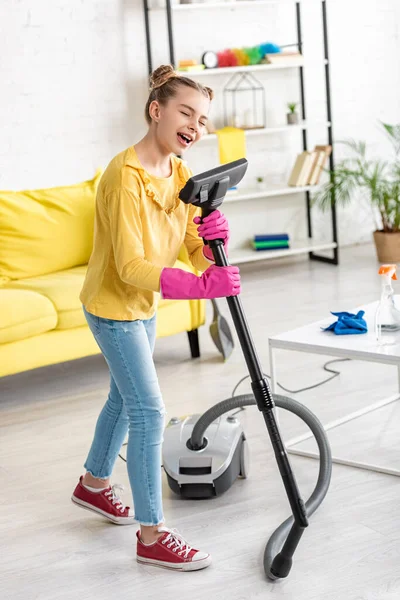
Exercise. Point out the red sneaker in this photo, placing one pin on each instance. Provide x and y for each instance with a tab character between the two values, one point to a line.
106	503
171	552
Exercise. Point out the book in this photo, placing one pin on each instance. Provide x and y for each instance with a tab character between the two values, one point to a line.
319	157
325	148
324	152
301	169
307	172
191	68
271	244
283	246
321	153
271	237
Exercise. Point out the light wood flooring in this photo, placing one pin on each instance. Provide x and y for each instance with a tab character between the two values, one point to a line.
52	550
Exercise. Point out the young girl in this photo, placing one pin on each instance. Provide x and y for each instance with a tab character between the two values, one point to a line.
140	225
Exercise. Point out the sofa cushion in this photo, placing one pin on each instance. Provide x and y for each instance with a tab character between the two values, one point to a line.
62	289
24	314
43	231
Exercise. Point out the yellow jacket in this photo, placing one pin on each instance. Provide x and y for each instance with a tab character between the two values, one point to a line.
140	226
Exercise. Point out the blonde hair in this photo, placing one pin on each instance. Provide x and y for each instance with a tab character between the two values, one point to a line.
164	83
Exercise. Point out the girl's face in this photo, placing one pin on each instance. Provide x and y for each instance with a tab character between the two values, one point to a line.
182	121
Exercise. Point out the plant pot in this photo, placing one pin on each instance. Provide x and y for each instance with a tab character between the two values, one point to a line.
292	118
387	247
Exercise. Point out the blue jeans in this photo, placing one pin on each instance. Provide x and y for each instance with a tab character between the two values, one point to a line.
134	405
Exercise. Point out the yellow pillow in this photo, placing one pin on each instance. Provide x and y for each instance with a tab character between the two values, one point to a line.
43	231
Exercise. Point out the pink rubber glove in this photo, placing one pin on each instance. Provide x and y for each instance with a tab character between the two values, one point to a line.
213	227
216	282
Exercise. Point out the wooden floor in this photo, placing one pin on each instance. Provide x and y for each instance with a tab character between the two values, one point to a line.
52	550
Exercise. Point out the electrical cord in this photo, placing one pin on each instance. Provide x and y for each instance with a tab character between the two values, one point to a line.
121	457
304	389
309	387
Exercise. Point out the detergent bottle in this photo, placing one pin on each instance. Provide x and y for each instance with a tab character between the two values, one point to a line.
387	317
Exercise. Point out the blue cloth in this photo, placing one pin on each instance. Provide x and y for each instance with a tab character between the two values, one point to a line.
134	404
348	323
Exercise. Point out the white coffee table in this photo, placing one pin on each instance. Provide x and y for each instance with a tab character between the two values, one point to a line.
314	340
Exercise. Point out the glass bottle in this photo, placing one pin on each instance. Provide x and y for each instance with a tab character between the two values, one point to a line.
387	316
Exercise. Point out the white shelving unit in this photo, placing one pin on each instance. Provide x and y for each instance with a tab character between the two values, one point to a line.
310	245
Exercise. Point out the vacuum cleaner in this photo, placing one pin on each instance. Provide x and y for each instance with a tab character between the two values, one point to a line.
204	454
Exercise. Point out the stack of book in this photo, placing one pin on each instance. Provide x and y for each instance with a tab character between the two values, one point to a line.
270	241
309	166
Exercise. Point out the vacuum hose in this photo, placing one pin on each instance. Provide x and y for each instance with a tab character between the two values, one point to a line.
274	544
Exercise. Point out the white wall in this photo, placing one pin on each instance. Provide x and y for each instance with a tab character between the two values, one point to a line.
73	86
72	76
365	73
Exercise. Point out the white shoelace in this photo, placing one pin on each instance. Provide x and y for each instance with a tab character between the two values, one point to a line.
175	541
115	497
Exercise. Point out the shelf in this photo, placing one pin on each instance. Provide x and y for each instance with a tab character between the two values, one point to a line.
227	4
207	5
242	69
270	192
296	247
268	130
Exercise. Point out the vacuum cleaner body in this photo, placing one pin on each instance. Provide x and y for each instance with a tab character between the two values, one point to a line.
208	472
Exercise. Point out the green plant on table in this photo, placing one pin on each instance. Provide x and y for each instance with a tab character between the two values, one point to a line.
292	107
380	179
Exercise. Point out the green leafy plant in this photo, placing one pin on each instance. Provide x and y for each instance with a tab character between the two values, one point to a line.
260	179
292	107
379	179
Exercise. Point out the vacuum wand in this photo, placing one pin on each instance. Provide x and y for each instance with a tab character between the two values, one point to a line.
207	191
283	561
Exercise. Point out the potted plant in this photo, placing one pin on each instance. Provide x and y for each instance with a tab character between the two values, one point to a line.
292	115
380	180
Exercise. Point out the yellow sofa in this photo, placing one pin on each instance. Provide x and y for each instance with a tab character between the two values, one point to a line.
45	243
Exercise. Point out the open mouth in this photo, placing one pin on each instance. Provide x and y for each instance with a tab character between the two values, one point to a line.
184	139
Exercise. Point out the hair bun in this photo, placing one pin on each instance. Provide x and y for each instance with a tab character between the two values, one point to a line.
161	76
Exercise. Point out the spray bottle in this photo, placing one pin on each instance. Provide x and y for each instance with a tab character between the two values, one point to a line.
387	317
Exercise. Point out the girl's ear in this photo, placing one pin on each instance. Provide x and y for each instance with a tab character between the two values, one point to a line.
154	111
